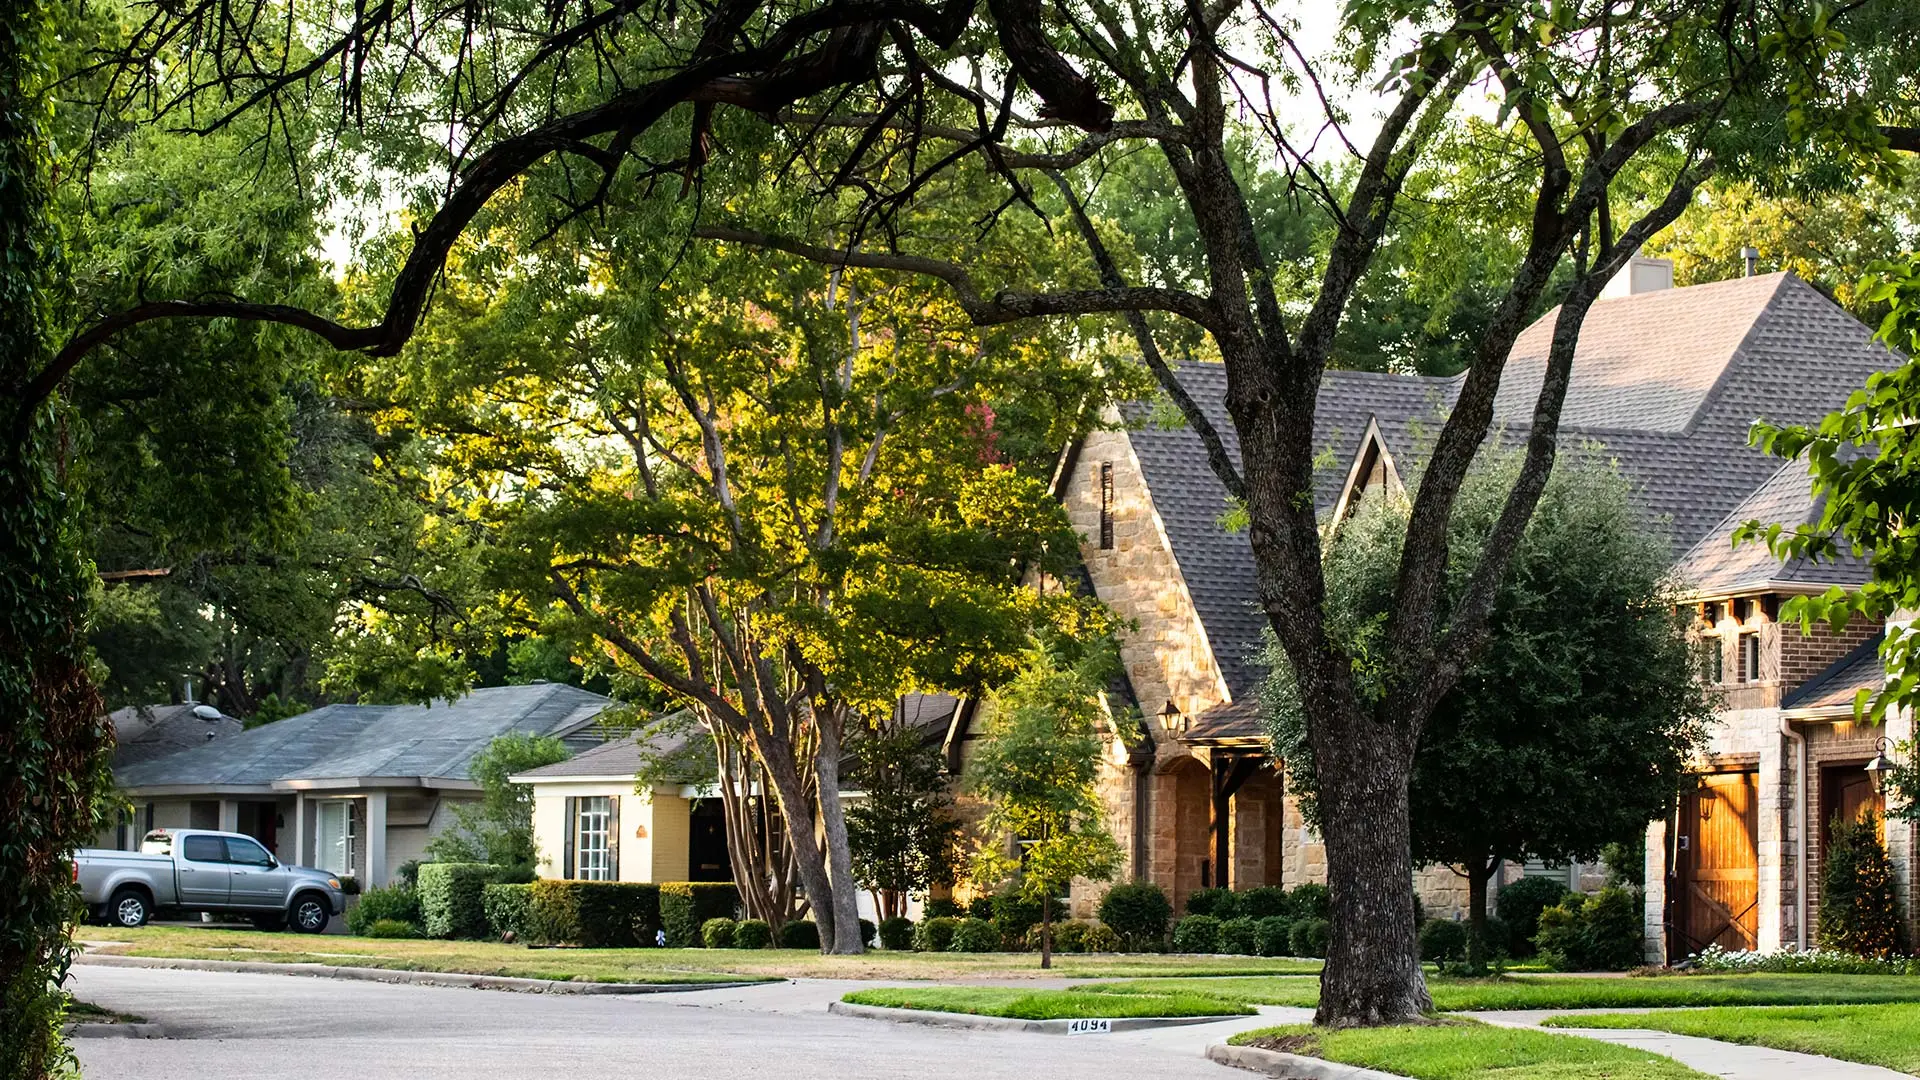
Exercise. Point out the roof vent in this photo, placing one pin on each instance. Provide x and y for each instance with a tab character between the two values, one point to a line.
206	712
1750	255
1640	275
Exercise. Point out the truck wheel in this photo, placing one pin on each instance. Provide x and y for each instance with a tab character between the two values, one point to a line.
129	908
310	913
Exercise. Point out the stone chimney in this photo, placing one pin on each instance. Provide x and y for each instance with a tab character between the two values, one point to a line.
1640	275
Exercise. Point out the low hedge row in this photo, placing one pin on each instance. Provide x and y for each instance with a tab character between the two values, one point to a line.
450	898
1243	935
507	906
595	914
686	906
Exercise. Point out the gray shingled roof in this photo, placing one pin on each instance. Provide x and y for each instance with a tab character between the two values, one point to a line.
1667	384
144	732
1715	567
1842	681
429	742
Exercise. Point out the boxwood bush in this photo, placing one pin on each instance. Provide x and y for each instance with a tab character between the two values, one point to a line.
1264	902
896	933
398	903
1272	936
800	934
1222	904
943	908
450	905
1602	932
1069	936
1443	941
506	906
392	928
975	935
752	934
1139	913
1101	938
1310	901
1520	904
596	914
1309	937
685	906
718	933
1013	914
867	930
1236	936
935	934
1197	934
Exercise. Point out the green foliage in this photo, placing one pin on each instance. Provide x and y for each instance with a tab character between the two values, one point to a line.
800	934
867	931
1238	935
594	914
1859	902
896	933
509	908
1602	932
903	836
1520	904
450	898
1139	912
1311	901
394	902
499	828
1197	934
1816	961
1099	938
935	934
1272	936
1013	913
1443	941
979	907
974	936
718	933
392	928
752	934
1261	902
1217	902
685	907
942	908
1308	936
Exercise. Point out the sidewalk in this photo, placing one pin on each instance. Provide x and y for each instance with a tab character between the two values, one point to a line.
1732	1060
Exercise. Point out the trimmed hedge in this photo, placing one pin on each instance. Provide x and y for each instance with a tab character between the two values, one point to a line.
1272	936
596	914
1101	938
718	933
752	934
800	934
896	933
1139	913
1197	934
1311	901
1012	915
1520	904
685	906
935	934
398	903
506	906
975	936
1220	903
450	905
867	931
943	908
1265	902
1443	941
1602	932
1236	936
392	928
1309	937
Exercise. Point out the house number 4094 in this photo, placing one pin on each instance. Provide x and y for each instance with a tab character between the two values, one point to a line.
1089	1027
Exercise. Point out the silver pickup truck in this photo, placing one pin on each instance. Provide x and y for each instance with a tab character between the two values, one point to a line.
196	870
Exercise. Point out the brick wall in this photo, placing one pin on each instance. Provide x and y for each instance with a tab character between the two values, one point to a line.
1841	746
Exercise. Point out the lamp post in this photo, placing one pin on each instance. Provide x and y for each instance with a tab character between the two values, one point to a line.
1880	769
1173	718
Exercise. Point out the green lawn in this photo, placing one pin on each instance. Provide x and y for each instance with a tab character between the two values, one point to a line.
1044	1004
1886	1035
651	965
1463	1050
1524	992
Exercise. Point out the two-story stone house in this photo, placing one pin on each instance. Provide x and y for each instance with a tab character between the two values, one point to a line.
1666	380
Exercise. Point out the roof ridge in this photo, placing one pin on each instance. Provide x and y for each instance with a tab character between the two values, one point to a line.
1739	354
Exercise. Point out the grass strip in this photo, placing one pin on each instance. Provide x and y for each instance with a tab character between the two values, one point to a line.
1523	992
1018	1004
1464	1050
1884	1035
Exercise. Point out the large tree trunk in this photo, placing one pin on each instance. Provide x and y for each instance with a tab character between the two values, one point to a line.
833	821
1373	972
1477	916
794	805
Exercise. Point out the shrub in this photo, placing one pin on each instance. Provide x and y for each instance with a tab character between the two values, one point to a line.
1499	938
1219	903
980	907
935	934
450	905
596	914
1138	913
800	934
398	903
1197	934
974	935
506	906
867	930
1309	937
1236	936
943	908
1859	909
896	933
1443	941
685	907
1311	901
1264	902
1069	936
717	933
1101	938
752	934
407	873
1271	936
1602	932
1012	915
1520	904
392	928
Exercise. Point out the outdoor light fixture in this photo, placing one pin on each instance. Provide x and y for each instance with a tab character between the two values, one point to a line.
1173	718
1881	767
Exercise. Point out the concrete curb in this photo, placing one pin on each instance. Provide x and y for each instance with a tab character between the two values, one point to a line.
115	1031
1290	1066
416	978
970	1022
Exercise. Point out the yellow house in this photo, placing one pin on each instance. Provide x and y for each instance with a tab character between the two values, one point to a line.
592	823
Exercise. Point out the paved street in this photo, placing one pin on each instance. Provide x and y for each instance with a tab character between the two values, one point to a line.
255	1026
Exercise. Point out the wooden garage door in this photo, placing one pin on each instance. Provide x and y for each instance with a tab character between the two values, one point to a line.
1716	865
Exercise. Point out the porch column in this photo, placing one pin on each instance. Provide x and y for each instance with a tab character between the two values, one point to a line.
377	837
300	857
1903	843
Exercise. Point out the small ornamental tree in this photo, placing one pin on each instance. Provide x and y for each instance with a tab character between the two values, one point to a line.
1859	909
499	828
1035	772
1574	728
903	835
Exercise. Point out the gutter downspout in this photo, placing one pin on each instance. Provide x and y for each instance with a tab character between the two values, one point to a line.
1800	808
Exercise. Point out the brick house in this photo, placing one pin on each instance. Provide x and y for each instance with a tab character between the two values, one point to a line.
1666	381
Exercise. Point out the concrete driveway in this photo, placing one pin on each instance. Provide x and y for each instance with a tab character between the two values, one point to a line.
224	1025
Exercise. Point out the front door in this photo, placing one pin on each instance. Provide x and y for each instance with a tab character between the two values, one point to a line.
707	842
1715	899
204	873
